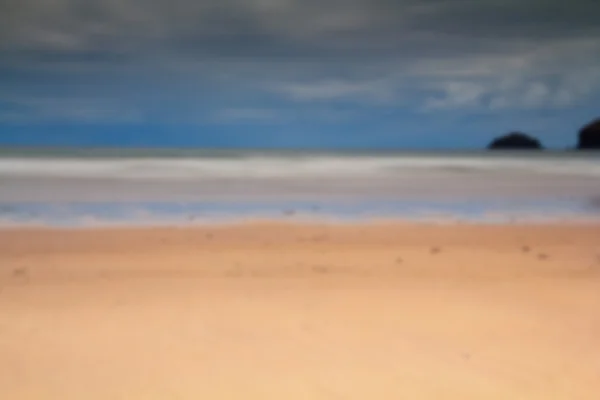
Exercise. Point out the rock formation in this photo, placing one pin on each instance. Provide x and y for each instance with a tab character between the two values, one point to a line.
515	141
589	136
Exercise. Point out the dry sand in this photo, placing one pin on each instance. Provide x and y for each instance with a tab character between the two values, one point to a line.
281	311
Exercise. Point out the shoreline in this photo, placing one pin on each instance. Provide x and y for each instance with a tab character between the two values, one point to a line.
350	211
193	222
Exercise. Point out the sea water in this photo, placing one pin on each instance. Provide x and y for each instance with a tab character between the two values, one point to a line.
73	187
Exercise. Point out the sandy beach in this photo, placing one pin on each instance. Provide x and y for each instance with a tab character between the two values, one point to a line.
301	311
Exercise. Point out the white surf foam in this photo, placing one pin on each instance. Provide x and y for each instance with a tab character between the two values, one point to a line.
245	176
312	167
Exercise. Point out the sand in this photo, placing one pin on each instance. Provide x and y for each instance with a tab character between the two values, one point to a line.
284	311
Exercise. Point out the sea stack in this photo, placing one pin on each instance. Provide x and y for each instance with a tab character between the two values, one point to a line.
589	136
515	141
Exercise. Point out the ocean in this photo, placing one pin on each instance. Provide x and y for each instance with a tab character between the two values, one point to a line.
75	187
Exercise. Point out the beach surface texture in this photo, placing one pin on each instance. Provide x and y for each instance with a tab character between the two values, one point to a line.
282	310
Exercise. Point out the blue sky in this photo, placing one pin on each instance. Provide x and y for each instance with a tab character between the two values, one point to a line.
288	73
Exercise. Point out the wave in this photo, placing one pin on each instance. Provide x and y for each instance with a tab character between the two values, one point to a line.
313	167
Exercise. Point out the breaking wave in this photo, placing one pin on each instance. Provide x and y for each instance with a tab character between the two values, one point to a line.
290	167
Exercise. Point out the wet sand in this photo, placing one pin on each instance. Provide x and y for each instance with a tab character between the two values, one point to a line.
284	311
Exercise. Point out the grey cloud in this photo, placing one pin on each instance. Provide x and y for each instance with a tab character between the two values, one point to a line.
461	51
526	20
514	92
289	28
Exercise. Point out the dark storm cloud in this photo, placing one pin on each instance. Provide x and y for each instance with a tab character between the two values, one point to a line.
528	20
272	28
452	53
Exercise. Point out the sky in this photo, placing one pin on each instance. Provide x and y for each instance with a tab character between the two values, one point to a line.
429	74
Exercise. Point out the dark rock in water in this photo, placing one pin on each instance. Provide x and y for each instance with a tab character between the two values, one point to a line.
589	136
515	141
